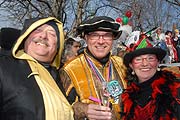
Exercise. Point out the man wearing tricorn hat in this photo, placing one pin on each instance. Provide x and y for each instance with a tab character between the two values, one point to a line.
30	87
94	80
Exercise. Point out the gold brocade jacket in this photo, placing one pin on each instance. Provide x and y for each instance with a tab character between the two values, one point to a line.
77	75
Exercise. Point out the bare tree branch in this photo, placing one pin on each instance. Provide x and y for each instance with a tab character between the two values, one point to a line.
2	2
176	2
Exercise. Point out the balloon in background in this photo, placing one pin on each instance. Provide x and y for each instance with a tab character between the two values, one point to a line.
128	14
119	20
125	20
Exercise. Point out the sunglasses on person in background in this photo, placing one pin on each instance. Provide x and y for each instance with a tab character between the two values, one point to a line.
96	36
138	60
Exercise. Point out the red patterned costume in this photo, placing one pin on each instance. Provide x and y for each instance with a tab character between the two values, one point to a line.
155	99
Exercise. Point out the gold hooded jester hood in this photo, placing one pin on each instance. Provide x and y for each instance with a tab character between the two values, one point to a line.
29	26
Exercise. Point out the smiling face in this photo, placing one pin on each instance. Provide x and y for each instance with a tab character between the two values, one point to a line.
144	66
99	43
41	44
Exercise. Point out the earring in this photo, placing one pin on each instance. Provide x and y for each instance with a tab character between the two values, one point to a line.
158	69
133	73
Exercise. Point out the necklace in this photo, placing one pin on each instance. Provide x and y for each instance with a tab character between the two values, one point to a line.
110	88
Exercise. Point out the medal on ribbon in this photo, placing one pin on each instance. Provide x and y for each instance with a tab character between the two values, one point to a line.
114	88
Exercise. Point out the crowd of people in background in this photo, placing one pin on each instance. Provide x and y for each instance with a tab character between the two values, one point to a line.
167	40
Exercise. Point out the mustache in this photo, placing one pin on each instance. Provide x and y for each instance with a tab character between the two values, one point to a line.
39	40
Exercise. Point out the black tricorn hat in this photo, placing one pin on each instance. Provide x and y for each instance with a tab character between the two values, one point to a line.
103	23
160	53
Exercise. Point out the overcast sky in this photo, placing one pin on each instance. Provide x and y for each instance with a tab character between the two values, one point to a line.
3	18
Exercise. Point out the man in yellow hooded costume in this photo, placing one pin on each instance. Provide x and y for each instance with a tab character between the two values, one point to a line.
94	80
30	87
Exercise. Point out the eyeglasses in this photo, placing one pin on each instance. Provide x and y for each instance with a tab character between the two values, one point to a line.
95	36
138	60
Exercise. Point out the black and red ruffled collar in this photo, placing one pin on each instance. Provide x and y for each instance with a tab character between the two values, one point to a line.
164	91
